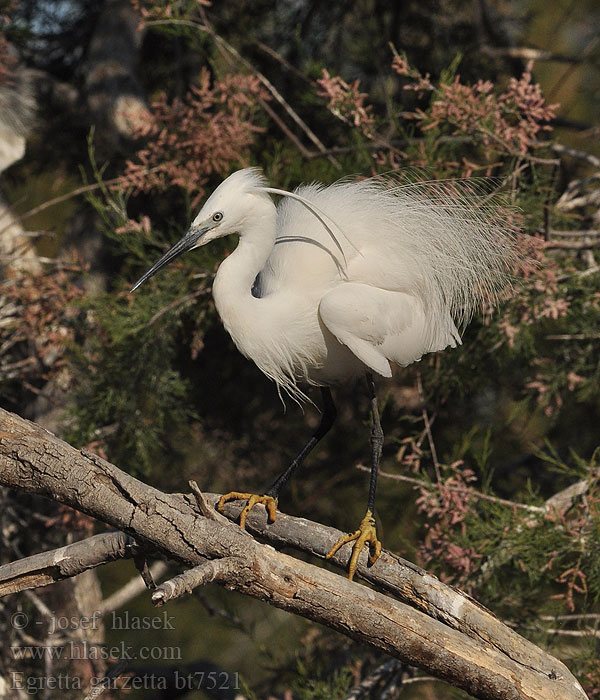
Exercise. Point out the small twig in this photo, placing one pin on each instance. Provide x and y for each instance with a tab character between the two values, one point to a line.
421	679
589	632
288	132
276	94
69	195
180	301
571	245
580	273
586	200
206	508
223	43
134	587
427	423
460	489
206	572
575	234
38	258
576	188
584	633
38	392
212	610
141	564
529	54
583	54
574	153
285	63
570	618
42	608
574	336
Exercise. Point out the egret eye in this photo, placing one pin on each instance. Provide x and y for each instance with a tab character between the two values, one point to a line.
217	216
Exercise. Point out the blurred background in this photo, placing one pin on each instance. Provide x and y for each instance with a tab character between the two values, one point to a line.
117	119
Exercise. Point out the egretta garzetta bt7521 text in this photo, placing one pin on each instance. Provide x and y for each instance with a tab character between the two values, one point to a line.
340	281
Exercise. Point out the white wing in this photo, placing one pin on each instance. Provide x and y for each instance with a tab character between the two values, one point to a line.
380	326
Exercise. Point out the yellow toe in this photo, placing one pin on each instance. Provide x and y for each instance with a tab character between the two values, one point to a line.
251	499
366	534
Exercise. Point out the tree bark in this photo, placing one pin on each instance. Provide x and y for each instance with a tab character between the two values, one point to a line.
50	567
33	460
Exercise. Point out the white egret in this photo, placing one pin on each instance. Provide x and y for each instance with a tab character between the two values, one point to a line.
342	280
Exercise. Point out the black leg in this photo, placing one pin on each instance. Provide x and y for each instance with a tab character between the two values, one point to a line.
366	533
269	499
327	419
376	441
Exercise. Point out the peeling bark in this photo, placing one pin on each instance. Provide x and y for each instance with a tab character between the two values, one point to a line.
49	567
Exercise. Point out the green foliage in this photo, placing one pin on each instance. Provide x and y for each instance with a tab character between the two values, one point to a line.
323	687
131	399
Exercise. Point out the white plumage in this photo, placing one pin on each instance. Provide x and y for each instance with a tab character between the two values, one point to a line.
343	280
415	262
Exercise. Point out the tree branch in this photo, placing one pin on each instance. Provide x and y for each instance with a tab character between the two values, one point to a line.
33	460
131	589
50	567
459	489
219	570
530	54
571	245
574	153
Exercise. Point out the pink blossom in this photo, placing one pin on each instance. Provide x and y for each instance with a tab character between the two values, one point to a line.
346	102
188	140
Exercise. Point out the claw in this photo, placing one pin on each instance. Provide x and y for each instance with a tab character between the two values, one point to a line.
366	534
252	499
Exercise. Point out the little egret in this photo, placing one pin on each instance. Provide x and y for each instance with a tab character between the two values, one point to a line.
339	281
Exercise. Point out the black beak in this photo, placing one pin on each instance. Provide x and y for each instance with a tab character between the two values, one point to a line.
188	241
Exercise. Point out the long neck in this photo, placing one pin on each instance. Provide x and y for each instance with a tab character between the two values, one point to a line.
232	288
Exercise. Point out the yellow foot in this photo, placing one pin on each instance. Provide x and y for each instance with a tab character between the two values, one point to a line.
366	533
252	499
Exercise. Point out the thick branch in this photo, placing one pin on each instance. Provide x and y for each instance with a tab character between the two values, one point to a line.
34	460
394	575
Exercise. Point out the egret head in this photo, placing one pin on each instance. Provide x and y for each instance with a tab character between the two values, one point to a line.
226	210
